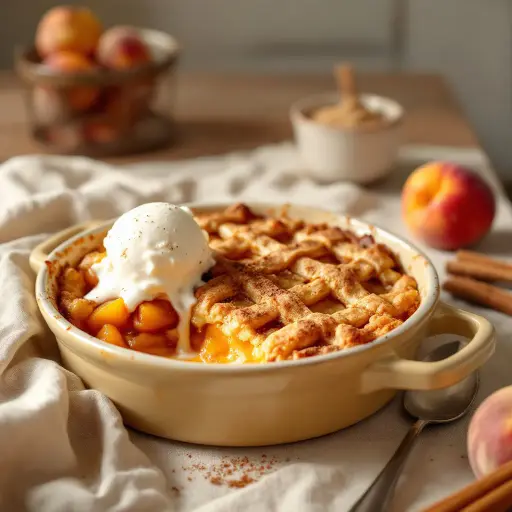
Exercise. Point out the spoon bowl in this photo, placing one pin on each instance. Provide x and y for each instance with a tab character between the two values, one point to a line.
436	406
447	404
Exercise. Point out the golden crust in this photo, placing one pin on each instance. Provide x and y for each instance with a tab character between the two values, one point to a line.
295	290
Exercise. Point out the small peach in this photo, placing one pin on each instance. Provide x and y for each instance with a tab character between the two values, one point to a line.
82	97
122	48
490	433
447	205
100	132
68	28
127	104
66	136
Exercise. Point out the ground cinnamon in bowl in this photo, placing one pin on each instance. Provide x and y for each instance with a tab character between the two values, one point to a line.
350	111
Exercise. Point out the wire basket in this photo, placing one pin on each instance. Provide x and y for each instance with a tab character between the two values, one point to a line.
131	111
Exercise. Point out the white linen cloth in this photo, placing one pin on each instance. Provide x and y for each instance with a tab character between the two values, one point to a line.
64	448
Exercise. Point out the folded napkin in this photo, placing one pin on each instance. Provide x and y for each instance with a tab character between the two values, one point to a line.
64	447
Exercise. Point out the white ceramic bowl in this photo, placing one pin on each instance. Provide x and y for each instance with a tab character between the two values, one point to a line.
269	403
356	155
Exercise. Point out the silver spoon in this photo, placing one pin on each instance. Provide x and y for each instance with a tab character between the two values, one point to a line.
436	406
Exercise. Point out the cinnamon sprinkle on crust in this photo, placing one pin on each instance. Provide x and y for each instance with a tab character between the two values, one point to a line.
285	288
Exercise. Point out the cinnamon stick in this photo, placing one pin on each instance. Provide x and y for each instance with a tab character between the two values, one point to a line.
482	259
493	493
480	270
347	84
498	500
481	293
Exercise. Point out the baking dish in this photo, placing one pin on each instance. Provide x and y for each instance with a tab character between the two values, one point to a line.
261	404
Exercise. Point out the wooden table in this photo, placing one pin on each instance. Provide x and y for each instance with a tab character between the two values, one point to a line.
220	113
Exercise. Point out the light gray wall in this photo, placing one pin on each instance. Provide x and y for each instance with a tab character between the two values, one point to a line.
469	41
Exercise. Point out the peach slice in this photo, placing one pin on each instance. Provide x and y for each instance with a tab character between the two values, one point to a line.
113	312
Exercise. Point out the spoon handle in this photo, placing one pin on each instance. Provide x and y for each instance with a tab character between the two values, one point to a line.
378	496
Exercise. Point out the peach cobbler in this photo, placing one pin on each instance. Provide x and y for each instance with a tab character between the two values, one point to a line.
233	286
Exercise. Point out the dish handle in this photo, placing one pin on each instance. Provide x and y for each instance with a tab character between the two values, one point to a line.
40	253
397	373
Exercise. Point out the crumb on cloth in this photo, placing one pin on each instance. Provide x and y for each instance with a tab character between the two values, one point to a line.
235	472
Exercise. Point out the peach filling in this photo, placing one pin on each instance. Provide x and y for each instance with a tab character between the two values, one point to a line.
219	348
151	328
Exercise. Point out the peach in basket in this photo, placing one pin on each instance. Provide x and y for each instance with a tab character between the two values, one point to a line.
122	48
68	28
304	323
98	93
77	98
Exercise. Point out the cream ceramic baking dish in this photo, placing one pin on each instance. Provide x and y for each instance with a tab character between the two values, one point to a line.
261	404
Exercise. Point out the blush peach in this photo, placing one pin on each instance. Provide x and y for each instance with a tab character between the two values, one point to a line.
447	205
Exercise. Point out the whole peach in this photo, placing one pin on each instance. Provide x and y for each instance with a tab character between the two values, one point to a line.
122	48
490	433
66	137
127	104
82	97
447	205
100	132
68	28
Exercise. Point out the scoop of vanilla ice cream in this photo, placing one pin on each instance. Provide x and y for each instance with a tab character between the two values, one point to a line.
156	250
